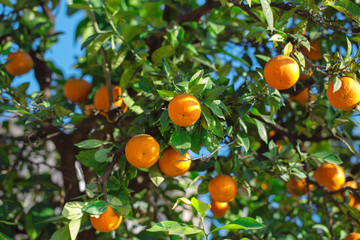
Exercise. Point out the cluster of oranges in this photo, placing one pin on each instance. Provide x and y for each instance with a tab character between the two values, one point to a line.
142	151
282	72
222	189
329	175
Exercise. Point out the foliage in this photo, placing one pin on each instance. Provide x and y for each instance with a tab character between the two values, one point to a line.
154	50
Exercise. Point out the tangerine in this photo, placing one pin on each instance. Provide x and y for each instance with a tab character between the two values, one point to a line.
347	97
19	63
173	164
353	236
330	176
219	208
142	151
302	98
281	72
184	110
297	187
222	188
76	90
352	200
315	51
101	98
107	221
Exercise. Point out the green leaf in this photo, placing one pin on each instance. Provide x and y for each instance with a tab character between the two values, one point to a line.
89	40
91	143
214	93
197	76
261	130
102	155
199	206
61	234
241	223
197	89
174	228
323	228
156	175
74	227
164	121
268	13
167	95
80	6
203	187
8	223
96	207
14	109
349	47
123	210
337	84
191	48
129	73
162	52
215	108
327	157
348	8
242	141
73	210
181	141
288	49
183	199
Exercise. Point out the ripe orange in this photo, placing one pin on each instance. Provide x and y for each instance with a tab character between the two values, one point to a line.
352	200
184	110
219	208
279	146
222	188
302	98
347	97
315	51
330	176
76	90
142	151
173	164
107	221
297	187
353	236
101	98
281	72
19	63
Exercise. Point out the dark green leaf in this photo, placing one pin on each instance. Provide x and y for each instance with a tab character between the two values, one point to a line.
102	155
181	141
61	234
156	175
90	143
261	130
241	223
162	52
199	206
174	228
164	121
327	157
167	95
214	93
242	141
95	207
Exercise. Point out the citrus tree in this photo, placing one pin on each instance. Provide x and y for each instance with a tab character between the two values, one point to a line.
198	120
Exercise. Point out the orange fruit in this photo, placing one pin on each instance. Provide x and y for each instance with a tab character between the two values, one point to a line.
315	51
173	164
297	187
19	63
184	110
107	221
142	151
302	98
307	73
88	109
76	90
101	98
353	236
222	188
219	208
330	176
347	97
352	200
281	72
279	147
